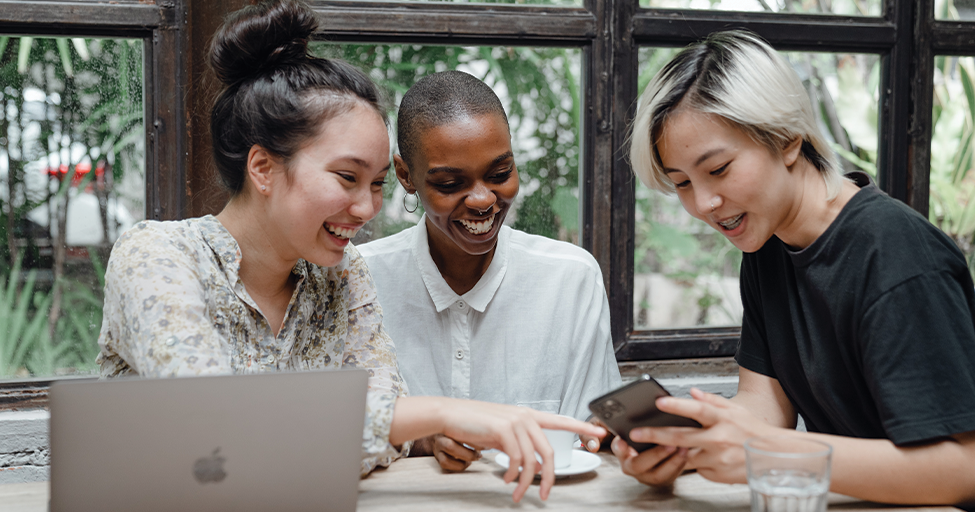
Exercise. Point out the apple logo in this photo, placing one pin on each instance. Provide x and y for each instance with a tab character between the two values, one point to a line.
210	469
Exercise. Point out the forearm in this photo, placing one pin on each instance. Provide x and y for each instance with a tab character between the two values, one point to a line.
764	397
878	470
416	417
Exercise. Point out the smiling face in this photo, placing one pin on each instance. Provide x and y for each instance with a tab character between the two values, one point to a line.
332	186
464	174
728	180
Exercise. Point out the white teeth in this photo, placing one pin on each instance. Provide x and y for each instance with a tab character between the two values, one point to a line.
732	223
343	233
479	228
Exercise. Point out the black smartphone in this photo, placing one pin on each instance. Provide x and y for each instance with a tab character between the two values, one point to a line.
635	405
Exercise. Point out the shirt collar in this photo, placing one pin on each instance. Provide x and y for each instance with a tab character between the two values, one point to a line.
443	296
225	247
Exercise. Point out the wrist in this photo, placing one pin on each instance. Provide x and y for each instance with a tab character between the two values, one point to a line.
438	410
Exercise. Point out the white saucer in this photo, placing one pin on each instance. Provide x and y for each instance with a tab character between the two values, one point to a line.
582	462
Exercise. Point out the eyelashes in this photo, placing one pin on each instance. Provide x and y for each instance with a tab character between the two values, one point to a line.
451	186
717	172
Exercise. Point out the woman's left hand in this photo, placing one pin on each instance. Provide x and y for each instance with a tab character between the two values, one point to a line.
716	450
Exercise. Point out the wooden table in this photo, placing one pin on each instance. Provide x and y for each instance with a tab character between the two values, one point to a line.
419	484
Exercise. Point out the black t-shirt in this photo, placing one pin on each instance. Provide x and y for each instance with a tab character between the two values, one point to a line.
871	329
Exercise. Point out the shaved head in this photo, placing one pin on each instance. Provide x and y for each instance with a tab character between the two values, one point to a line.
440	99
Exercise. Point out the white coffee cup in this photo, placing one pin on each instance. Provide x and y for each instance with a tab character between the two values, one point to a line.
561	442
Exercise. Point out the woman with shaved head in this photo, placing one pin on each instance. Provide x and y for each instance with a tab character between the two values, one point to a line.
479	310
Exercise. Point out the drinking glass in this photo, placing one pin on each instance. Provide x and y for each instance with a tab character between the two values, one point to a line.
786	474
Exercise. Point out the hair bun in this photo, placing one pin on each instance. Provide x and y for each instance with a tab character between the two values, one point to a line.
261	37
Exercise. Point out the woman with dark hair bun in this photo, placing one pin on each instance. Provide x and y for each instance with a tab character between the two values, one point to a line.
272	283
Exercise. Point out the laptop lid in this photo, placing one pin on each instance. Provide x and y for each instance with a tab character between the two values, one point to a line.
281	441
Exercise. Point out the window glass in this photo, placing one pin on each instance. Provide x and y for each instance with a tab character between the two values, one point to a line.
72	170
686	273
962	10
952	193
565	3
540	91
839	7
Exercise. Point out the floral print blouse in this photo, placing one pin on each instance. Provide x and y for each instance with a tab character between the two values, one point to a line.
175	306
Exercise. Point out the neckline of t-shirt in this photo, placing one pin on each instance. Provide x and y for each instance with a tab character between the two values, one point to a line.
805	256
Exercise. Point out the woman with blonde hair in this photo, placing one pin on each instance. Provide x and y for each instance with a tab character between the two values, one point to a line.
859	315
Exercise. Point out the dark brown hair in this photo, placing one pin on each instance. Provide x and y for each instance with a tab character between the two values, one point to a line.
275	94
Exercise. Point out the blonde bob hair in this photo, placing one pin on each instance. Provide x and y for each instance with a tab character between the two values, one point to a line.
737	76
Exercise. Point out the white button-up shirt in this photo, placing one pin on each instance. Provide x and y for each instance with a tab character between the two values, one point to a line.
534	331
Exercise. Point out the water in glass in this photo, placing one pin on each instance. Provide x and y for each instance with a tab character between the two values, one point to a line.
789	490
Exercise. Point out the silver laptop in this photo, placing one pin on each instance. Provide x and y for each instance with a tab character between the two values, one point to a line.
282	441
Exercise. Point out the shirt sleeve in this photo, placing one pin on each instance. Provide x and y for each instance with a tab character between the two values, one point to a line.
155	322
753	352
370	348
917	345
594	370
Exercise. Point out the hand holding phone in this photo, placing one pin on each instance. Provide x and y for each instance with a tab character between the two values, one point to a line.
635	405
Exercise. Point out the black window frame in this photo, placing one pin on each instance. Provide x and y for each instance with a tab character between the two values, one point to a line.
609	33
159	27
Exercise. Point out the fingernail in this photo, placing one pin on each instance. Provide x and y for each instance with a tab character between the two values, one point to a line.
664	401
592	445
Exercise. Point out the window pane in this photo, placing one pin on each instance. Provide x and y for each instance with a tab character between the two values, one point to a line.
952	195
72	170
539	88
963	10
839	7
565	3
686	274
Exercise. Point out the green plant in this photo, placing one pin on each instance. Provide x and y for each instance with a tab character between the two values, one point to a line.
60	94
952	199
23	322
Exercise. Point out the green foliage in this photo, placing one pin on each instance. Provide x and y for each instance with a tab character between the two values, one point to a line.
58	92
952	199
26	347
23	319
536	216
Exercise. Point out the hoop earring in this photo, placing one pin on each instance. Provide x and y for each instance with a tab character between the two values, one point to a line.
415	206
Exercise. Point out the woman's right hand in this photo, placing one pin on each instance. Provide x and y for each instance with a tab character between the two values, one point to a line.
658	466
517	431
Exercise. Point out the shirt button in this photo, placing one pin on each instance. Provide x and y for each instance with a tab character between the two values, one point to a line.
460	354
172	341
461	305
270	359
